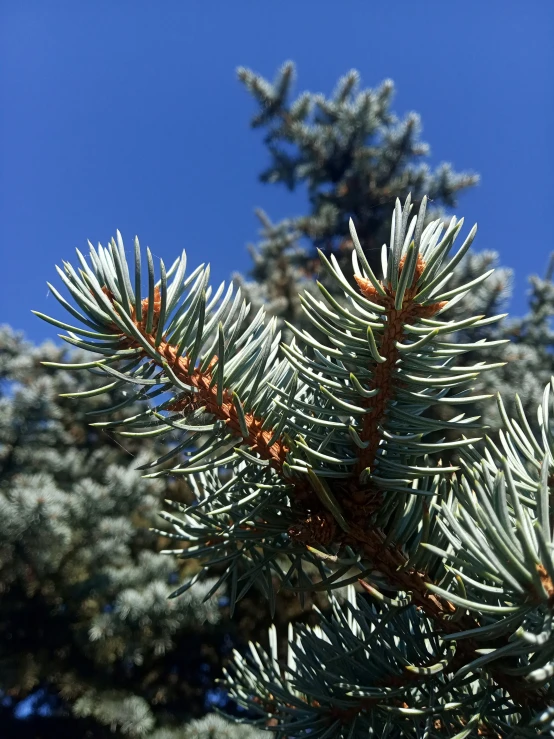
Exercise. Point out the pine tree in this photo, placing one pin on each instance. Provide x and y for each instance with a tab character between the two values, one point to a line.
85	623
353	157
320	469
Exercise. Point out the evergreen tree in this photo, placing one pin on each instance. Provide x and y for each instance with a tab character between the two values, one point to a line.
85	623
319	468
353	157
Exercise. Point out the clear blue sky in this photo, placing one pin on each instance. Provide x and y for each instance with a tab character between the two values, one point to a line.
128	114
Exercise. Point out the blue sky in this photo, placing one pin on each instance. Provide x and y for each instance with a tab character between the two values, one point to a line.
128	114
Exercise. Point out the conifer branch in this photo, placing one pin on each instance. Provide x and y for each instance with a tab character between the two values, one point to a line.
395	320
201	389
336	473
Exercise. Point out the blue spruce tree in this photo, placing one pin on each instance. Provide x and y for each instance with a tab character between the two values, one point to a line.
86	629
353	157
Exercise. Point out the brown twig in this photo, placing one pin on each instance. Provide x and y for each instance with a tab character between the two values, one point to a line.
203	392
383	377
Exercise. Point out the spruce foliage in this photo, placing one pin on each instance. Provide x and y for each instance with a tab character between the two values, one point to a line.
85	623
353	157
317	467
